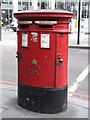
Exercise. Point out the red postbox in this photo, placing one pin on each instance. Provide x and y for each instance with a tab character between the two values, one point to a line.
42	59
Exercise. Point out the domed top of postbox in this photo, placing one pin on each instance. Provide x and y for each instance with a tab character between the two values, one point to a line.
43	15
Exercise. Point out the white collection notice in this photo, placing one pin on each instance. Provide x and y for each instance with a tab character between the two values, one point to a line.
24	40
45	40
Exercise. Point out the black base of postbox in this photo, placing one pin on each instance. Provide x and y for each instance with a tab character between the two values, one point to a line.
42	100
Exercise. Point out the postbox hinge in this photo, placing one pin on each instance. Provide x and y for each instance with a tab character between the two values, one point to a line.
57	63
19	56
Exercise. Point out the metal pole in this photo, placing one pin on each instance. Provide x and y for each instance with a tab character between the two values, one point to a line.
78	38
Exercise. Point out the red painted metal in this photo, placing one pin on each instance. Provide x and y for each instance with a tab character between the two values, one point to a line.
43	14
44	67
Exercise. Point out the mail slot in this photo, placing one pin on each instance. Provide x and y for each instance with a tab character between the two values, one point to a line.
42	59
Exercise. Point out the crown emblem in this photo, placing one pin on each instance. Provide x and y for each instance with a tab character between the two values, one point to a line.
34	62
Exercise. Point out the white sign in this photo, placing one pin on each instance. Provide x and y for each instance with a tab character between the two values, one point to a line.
24	40
34	36
45	40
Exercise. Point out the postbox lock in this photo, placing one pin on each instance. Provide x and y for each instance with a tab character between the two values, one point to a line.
60	60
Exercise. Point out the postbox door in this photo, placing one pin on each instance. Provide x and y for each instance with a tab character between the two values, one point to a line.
37	64
61	59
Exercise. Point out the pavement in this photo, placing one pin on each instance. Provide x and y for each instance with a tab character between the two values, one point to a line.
78	107
84	41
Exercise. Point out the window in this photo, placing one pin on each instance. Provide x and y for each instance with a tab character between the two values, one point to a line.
10	1
30	3
85	10
19	3
5	1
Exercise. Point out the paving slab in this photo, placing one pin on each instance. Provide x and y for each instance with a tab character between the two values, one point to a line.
73	111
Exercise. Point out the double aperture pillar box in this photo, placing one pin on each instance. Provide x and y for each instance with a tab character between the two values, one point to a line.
42	59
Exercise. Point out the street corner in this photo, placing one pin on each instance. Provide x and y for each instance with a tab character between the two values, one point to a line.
76	107
38	70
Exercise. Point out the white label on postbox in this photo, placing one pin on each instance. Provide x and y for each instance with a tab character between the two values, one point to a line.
45	40
34	36
24	40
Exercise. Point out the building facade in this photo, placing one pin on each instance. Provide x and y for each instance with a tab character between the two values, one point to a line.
7	7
